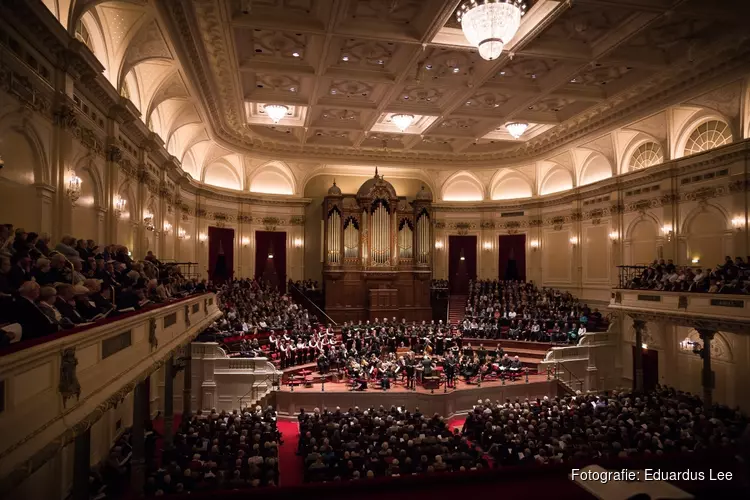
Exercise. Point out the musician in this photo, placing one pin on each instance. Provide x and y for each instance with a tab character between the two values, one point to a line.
439	343
482	353
410	374
515	368
323	363
449	365
504	366
468	351
499	353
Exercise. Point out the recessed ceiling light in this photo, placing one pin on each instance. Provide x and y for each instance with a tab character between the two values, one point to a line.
292	89
533	75
295	54
333	91
502	73
380	61
456	70
468	103
428	66
345	58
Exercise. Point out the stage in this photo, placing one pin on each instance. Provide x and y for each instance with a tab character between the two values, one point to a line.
459	400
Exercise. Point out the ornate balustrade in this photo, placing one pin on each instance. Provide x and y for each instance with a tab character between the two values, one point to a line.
57	389
717	312
228	383
592	362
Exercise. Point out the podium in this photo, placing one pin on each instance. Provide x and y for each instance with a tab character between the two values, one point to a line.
383	303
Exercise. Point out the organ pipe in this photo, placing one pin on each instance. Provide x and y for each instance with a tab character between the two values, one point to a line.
334	238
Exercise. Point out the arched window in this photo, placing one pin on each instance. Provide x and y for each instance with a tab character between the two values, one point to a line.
82	34
647	155
710	135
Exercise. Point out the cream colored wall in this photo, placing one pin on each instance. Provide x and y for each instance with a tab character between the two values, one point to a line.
682	368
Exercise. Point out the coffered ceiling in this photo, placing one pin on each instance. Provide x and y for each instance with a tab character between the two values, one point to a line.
344	67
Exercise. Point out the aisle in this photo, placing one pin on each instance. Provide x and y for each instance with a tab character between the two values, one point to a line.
290	465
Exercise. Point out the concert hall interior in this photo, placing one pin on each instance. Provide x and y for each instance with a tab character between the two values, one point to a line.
423	247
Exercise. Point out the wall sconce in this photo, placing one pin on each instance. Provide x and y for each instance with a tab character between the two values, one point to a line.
462	258
534	244
644	346
270	251
298	242
167	227
119	206
182	234
614	236
574	240
245	241
439	245
696	260
74	188
689	345
487	245
738	223
148	220
667	230
202	237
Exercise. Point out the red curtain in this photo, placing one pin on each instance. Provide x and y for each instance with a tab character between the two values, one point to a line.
461	271
271	269
220	254
512	255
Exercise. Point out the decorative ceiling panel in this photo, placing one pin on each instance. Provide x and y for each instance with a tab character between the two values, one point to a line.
351	64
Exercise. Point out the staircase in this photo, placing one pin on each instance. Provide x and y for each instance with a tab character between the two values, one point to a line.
456	308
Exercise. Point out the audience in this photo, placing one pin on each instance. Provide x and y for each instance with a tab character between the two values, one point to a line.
733	276
220	451
520	311
78	282
353	444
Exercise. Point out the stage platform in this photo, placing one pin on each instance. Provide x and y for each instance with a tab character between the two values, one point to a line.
455	401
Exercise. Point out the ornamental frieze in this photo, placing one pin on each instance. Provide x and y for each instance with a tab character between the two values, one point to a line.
487	224
21	88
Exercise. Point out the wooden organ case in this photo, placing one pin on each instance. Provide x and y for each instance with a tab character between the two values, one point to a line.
378	253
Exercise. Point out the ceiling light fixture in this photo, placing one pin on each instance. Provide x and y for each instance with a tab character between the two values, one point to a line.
516	129
276	111
491	24
402	121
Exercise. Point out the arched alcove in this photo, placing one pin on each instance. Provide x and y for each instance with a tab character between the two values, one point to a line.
595	169
17	178
221	175
642	238
511	187
556	180
704	230
463	186
272	178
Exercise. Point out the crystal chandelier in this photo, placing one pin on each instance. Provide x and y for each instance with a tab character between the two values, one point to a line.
490	24
516	129
276	111
402	121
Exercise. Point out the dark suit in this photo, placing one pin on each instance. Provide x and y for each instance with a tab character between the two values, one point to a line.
69	312
33	321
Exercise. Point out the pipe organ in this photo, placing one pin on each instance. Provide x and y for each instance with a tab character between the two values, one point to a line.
379	252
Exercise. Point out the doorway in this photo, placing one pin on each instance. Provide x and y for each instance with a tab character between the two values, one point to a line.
270	258
650	368
462	263
512	257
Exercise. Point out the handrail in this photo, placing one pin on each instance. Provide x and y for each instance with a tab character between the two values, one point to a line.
330	320
571	375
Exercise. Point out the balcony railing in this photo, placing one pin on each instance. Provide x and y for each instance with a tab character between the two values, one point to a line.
56	389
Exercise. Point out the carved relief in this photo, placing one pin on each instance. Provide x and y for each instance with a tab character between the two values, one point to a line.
69	385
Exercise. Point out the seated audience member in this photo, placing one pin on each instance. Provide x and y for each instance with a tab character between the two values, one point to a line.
66	247
42	244
100	297
47	299
34	322
20	271
41	272
85	307
66	304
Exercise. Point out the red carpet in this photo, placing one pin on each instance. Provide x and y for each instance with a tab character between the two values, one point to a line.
290	465
158	424
456	423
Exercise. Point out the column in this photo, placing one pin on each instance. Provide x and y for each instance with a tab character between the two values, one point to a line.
138	460
707	375
638	325
82	465
168	401
187	385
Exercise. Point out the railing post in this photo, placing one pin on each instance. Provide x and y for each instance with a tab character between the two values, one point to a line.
527	374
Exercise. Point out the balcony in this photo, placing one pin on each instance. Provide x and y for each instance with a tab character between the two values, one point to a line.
718	312
55	390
